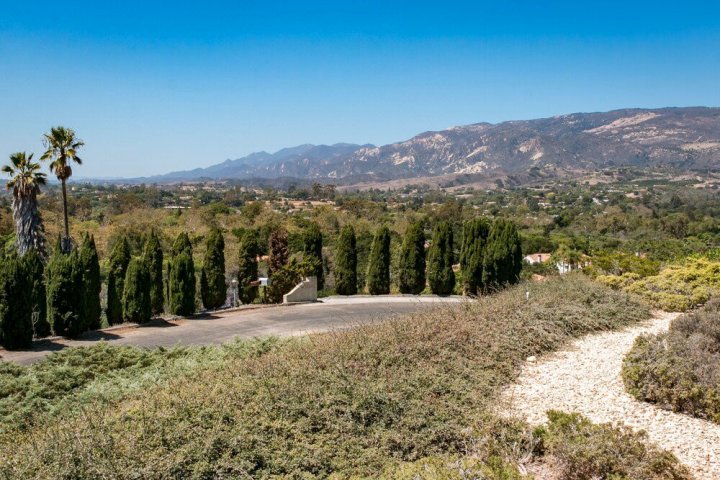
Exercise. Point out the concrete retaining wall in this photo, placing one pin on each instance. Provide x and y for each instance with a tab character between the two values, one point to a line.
305	291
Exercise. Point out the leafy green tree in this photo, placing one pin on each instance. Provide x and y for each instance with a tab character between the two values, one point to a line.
378	275
34	268
181	278
25	181
346	262
312	247
89	266
119	260
136	294
213	289
62	146
64	290
16	328
441	276
502	261
248	268
472	253
411	274
153	256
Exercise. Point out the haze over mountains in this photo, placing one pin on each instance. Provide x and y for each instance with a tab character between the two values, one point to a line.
681	138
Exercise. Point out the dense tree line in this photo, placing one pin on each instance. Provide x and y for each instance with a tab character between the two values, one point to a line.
60	293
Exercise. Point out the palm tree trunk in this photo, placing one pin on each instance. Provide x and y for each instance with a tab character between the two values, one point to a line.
66	238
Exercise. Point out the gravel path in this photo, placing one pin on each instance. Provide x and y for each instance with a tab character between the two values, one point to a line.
586	379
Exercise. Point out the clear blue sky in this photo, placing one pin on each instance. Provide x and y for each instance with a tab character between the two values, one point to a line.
157	86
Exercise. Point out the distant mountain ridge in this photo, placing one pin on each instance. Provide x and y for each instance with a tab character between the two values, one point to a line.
683	138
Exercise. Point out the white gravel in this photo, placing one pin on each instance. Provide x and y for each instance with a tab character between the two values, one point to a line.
586	379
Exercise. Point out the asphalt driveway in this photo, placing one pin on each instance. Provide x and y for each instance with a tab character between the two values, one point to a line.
330	314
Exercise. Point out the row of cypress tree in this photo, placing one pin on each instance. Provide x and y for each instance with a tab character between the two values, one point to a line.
490	258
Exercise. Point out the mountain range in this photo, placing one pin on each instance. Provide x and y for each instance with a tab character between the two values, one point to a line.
680	138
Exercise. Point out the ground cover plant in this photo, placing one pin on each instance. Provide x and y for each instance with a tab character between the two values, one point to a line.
346	404
680	369
99	374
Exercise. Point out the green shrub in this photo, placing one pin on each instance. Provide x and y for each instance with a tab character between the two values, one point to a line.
248	267
679	369
678	287
153	256
411	274
441	276
378	275
16	327
213	289
282	281
72	378
346	262
582	450
119	260
136	294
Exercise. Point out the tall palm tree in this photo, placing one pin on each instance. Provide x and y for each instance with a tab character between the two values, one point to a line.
25	181
62	146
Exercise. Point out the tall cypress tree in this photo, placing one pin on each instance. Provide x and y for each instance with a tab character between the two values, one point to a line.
346	262
182	244
89	266
378	275
181	279
411	275
472	252
213	289
119	260
440	260
153	256
279	251
248	268
136	294
64	294
502	262
34	268
312	248
16	328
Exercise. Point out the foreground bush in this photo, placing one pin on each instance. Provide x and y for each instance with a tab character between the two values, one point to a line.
346	403
581	450
679	369
70	379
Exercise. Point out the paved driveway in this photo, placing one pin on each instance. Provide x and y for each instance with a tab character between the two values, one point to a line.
331	313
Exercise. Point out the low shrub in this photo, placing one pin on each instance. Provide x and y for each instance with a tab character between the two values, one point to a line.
349	403
581	450
69	379
679	369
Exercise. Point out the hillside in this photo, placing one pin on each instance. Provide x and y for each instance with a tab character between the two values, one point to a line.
682	138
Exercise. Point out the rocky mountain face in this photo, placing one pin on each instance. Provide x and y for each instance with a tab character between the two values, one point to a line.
683	138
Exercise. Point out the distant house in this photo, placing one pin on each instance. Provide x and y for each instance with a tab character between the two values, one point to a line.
535	258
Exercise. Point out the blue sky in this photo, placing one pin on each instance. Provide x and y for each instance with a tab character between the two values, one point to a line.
158	86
